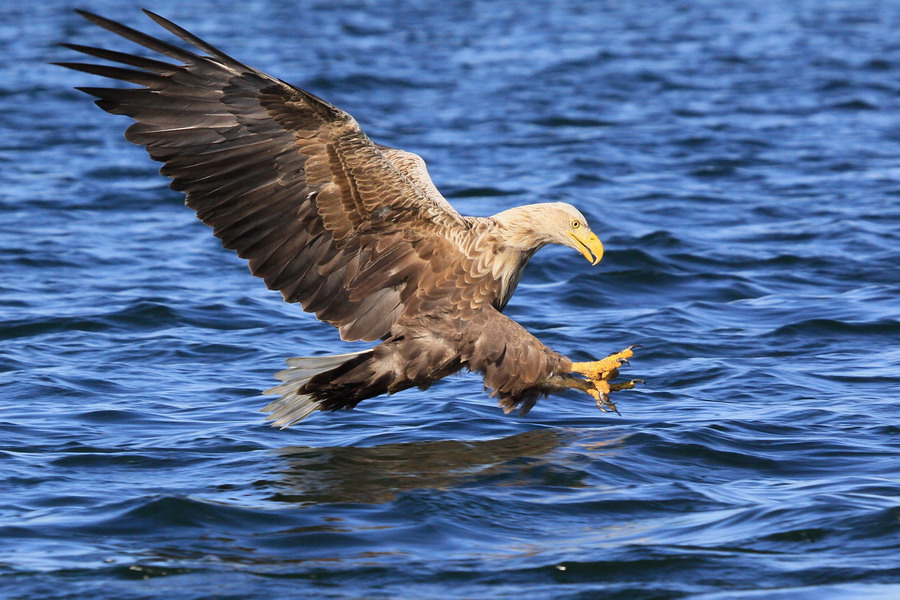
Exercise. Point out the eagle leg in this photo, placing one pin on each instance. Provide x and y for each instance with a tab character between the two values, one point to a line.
598	375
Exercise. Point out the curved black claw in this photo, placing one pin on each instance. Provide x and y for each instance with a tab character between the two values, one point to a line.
604	404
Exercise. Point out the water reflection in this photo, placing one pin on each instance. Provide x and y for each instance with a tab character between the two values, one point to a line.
376	474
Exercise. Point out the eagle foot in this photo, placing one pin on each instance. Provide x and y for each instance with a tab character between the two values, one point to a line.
606	368
598	375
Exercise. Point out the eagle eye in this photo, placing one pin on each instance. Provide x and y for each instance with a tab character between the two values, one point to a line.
575	224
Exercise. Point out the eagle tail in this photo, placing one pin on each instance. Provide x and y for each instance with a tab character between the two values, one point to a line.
307	386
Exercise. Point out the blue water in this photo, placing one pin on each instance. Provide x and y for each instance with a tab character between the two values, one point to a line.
741	162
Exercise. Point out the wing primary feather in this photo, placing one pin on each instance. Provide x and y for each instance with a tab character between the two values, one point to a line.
194	40
118	94
139	37
122	74
228	160
148	64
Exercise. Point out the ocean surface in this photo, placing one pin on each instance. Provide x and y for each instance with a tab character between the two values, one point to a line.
741	162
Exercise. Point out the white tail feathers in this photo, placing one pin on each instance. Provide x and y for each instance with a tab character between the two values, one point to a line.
294	406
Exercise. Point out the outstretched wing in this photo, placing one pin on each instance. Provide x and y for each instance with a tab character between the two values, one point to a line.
288	181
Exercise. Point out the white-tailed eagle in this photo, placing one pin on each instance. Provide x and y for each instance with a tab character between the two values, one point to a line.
353	231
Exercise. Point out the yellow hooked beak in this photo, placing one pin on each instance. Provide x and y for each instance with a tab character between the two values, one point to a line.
588	244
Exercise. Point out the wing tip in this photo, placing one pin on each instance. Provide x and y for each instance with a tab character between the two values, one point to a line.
93	17
159	19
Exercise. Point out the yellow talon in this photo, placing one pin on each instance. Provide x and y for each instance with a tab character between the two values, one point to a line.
606	368
625	385
600	393
601	388
600	372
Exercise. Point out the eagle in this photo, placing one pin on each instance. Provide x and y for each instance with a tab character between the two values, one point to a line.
352	230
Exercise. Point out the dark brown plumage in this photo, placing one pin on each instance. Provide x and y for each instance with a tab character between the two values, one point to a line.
353	231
